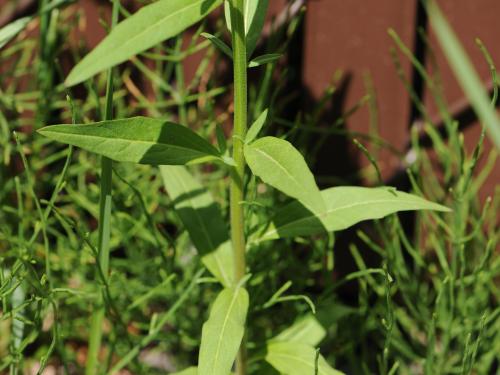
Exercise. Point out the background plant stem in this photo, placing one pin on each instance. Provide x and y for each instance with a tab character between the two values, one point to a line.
104	229
239	130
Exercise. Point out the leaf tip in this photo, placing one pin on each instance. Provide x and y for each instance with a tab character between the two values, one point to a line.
42	130
71	80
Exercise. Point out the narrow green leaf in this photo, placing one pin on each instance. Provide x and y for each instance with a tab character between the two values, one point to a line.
256	127
223	47
9	31
138	140
227	15
464	71
254	18
280	165
346	206
305	331
202	219
151	25
264	59
292	358
222	332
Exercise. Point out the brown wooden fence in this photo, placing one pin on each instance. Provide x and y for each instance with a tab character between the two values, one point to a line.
352	36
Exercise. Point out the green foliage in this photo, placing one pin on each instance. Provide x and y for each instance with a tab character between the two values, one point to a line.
223	47
345	207
307	330
264	59
223	331
386	298
256	127
254	17
297	359
139	140
151	25
10	30
281	165
202	219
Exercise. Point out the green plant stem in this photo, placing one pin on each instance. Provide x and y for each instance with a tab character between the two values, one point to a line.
239	130
104	230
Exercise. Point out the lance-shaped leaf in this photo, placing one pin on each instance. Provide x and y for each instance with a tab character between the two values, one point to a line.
264	59
138	140
346	206
292	358
9	31
281	165
222	332
151	25
256	127
255	16
202	219
223	47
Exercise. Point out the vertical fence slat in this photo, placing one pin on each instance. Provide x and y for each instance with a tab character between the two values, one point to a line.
352	37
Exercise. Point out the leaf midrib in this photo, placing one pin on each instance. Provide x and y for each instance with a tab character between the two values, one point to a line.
224	324
139	35
347	206
150	143
279	165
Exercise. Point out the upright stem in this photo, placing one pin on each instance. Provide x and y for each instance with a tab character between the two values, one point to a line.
239	131
104	230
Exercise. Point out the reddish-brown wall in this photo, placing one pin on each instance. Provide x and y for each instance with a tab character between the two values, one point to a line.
352	37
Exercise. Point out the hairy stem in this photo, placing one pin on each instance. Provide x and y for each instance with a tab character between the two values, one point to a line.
104	230
239	130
